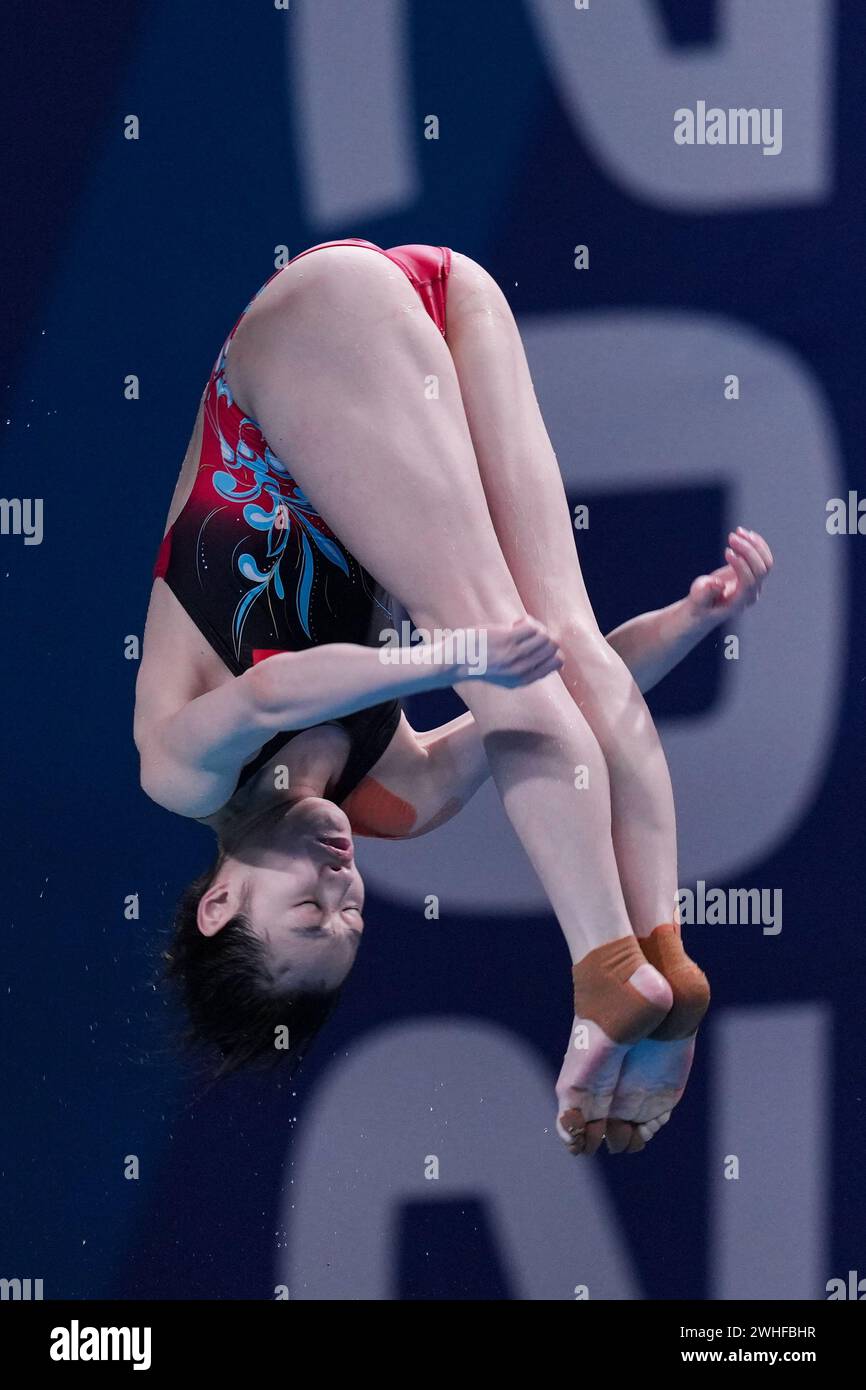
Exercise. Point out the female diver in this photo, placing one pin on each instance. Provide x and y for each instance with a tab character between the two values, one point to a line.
349	431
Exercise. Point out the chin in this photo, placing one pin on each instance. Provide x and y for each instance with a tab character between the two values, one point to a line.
318	817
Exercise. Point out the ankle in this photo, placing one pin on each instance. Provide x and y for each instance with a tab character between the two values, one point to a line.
663	949
616	988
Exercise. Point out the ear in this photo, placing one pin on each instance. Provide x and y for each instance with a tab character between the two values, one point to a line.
216	907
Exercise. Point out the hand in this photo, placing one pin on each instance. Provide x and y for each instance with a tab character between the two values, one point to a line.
737	585
511	656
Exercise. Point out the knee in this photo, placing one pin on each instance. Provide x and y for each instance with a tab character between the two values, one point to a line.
591	656
474	606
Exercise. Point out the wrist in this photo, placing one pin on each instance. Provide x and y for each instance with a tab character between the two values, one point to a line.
431	664
695	617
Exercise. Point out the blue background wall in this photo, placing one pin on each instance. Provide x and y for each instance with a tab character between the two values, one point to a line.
260	129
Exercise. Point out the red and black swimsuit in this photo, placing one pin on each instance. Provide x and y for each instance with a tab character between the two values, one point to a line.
254	564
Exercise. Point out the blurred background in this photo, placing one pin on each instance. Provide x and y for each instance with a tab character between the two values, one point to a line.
515	133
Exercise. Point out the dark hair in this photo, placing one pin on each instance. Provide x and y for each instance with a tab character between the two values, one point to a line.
227	987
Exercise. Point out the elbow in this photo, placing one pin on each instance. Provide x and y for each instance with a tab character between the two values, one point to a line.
150	781
293	690
266	691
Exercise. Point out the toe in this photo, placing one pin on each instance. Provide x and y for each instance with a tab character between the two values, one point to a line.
647	1130
636	1143
594	1135
571	1128
618	1135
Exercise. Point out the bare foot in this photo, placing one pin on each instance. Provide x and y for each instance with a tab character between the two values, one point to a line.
630	1009
651	1082
654	1075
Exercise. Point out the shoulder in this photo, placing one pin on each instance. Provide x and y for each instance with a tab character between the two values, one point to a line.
387	802
191	755
417	784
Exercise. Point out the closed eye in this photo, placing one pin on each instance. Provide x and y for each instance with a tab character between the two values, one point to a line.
310	902
352	915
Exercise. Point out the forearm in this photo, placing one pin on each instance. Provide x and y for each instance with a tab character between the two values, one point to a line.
652	644
457	758
296	689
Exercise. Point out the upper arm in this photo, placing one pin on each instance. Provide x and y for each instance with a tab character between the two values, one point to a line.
421	781
190	759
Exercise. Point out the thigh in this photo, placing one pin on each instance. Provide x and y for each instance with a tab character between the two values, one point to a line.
358	396
518	467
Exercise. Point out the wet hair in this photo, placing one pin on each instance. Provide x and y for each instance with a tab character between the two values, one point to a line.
227	987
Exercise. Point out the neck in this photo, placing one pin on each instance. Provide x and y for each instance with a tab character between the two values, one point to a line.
307	766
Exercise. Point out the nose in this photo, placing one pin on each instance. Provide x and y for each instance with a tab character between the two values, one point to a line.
336	880
334	871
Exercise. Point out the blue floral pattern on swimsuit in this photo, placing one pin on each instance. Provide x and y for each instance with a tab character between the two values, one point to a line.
250	559
273	504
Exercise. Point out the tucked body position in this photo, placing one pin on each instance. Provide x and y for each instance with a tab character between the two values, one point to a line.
370	435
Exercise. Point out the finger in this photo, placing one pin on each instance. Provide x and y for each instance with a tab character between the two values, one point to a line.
706	588
521	641
555	663
747	552
740	568
725	576
525	665
538	673
750	554
526	628
542	651
521	630
760	545
712	588
534	651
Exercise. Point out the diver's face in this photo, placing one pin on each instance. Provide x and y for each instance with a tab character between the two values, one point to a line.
293	875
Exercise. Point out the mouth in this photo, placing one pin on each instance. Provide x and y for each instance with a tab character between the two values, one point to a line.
340	847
